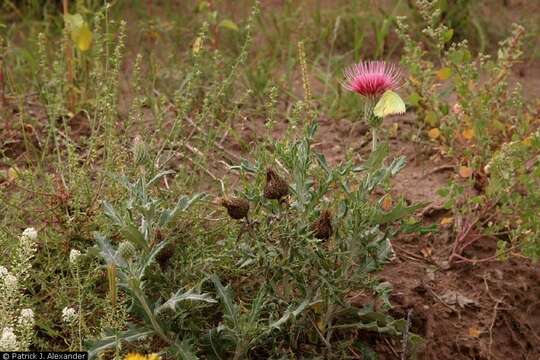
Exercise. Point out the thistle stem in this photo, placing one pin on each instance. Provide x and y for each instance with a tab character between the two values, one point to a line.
373	139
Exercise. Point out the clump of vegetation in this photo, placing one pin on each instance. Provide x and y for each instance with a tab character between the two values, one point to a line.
185	204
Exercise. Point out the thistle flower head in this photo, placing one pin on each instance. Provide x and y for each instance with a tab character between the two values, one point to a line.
237	207
322	227
276	187
137	356
372	78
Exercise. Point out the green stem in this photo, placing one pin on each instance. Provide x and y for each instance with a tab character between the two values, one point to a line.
150	314
373	139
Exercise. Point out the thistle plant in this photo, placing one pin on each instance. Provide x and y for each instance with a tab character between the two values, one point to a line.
375	81
131	266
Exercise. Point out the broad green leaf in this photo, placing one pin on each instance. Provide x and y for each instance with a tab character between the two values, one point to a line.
431	118
389	104
444	73
414	99
228	24
448	35
133	235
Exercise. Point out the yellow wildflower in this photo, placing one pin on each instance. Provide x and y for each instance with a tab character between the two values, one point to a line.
137	356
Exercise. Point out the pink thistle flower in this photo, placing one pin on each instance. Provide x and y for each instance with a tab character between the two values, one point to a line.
372	78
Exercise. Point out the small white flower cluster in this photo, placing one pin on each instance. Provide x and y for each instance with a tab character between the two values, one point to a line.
30	233
26	317
16	323
8	340
74	256
69	315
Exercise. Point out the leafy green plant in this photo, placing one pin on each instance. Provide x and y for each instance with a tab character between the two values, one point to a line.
145	244
488	114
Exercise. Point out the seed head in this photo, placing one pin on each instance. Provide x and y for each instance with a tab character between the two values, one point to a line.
276	187
372	78
237	207
322	227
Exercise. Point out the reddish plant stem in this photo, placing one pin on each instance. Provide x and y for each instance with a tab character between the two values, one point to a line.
69	65
464	239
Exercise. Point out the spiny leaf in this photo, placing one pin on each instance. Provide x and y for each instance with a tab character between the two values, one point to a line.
183	296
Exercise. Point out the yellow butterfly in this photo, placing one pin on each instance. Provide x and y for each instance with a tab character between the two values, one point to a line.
389	104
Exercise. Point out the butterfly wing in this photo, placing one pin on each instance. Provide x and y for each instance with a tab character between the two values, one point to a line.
389	104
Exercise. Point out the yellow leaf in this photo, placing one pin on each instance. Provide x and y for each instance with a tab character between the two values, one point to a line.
387	203
12	174
474	332
83	38
394	129
321	325
444	73
447	220
317	307
465	171
228	24
431	118
197	44
434	133
527	141
79	31
468	134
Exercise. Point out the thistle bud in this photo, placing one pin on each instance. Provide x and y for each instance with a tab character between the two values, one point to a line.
126	250
276	187
237	207
322	227
140	151
165	255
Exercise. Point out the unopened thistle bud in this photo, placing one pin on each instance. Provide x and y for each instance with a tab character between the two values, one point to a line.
322	227
237	207
126	250
165	255
276	187
140	151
